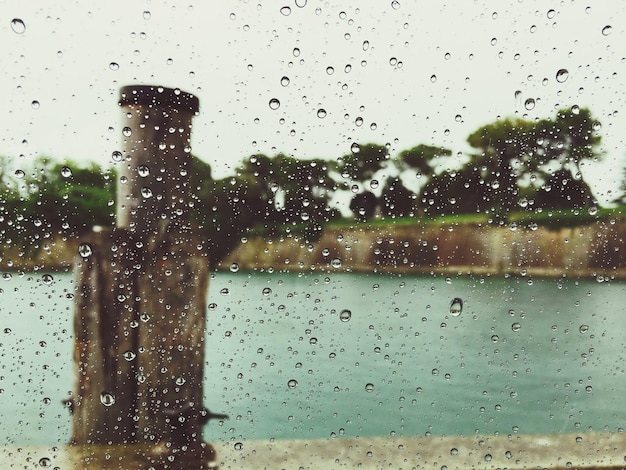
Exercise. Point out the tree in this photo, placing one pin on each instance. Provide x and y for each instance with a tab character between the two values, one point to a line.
363	162
396	199
364	205
420	158
506	152
563	191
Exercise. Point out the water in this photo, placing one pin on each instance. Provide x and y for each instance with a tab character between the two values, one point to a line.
284	360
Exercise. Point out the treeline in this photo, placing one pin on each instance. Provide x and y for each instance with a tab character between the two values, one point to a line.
516	165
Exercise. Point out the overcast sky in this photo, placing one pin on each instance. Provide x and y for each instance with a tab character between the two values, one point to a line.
413	71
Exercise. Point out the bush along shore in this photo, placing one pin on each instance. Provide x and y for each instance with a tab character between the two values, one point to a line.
594	250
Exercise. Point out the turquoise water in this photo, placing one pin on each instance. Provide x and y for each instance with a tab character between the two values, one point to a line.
533	357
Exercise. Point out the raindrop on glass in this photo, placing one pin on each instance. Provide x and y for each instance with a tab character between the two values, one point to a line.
114	66
234	267
274	104
561	75
293	383
45	462
238	445
529	104
395	4
583	329
129	355
374	184
85	250
116	156
107	398
127	131
345	315
321	113
456	307
284	82
516	326
35	104
605	31
267	291
66	172
47	279
143	170
355	148
335	263
18	26
369	387
285	11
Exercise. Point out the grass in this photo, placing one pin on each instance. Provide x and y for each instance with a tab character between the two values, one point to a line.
553	219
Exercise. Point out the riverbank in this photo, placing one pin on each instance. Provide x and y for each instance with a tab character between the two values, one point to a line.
585	450
594	250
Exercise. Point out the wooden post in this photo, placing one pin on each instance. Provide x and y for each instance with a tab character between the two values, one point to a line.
140	309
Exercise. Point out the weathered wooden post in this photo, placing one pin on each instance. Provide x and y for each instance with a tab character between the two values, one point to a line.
141	303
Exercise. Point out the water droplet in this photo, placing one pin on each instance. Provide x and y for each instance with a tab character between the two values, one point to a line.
146	15
358	121
529	104
336	263
355	148
18	26
66	172
267	291
7	331
47	279
129	355
127	131
395	4
301	3
605	31
35	104
143	170
561	75
369	387
284	82
274	104
234	267
114	66
45	462
238	445
366	45
146	193
456	306
107	398
588	389
495	338
345	315
85	250
488	458
583	329
224	291
293	383
593	210
321	113
454	451
516	326
116	156
330	70
296	52
285	11
19	174
180	381
374	184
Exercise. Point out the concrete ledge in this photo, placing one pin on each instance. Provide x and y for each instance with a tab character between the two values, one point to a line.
585	450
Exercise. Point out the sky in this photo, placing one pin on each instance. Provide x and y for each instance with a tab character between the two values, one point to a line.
401	73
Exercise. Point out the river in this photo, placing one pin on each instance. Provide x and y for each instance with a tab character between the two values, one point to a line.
319	355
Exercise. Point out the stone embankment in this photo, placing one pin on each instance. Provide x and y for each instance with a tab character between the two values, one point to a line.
595	250
591	250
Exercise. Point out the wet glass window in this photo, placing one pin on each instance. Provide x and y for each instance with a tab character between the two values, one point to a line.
343	233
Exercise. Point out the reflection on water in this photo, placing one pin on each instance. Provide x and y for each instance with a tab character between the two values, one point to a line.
320	355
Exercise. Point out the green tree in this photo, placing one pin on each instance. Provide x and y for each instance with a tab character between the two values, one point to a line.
421	157
361	164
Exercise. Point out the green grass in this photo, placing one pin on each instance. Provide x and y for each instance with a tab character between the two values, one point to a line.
553	219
